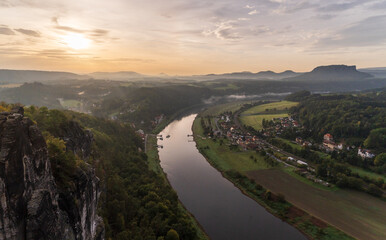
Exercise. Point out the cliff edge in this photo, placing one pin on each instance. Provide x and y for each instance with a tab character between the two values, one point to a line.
31	206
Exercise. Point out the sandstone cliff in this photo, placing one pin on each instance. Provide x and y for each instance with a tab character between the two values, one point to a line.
31	205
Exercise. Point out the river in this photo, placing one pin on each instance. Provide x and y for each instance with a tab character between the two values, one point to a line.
223	210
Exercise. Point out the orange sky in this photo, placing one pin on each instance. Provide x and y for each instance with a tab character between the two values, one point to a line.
191	36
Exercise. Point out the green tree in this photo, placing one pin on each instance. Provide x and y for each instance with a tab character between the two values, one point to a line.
376	139
380	160
374	190
172	235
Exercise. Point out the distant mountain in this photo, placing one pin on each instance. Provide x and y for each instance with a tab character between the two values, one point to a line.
124	75
263	75
22	76
332	73
378	72
273	75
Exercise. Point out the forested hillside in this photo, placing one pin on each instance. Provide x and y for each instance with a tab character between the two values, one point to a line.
351	117
143	104
135	202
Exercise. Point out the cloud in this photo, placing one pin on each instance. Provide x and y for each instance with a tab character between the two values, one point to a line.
5	3
69	29
55	20
59	54
339	7
249	7
378	6
98	32
291	7
28	32
224	30
253	12
6	31
361	34
124	60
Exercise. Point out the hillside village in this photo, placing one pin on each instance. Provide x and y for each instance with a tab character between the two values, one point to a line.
225	126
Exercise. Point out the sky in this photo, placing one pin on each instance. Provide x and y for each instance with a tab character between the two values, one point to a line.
186	37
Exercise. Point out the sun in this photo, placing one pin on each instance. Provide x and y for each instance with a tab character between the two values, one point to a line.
76	41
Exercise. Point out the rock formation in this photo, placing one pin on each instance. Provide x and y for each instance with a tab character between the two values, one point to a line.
31	206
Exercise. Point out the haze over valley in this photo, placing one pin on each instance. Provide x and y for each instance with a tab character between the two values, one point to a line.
192	120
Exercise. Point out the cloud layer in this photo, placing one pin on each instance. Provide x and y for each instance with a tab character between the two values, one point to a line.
192	36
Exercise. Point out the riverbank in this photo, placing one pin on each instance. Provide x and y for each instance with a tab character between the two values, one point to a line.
154	165
233	167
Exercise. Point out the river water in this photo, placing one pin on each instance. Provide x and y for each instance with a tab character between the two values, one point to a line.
221	209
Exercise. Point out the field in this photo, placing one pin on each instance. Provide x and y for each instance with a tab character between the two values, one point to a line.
70	103
152	154
256	121
254	116
223	158
244	162
270	107
10	85
293	145
356	213
363	172
226	107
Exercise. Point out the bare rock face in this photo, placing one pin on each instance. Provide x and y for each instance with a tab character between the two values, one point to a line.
30	206
77	140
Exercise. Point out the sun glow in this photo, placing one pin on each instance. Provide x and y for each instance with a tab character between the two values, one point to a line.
76	41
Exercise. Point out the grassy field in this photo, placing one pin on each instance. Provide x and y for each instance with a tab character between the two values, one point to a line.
275	106
293	145
255	121
152	154
363	172
246	162
10	85
70	103
254	116
356	213
223	158
226	107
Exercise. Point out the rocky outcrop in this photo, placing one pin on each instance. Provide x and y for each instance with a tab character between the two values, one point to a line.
332	73
77	140
31	206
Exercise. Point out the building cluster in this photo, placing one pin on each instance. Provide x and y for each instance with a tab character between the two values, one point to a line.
329	143
141	133
302	142
365	153
248	141
236	136
157	120
280	125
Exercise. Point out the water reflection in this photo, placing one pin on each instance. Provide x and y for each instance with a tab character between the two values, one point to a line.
221	208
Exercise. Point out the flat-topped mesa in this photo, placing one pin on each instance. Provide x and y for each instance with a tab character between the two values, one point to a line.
335	69
29	198
332	73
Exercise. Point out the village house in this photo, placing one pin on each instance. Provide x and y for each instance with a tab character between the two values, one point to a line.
364	153
141	133
328	142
